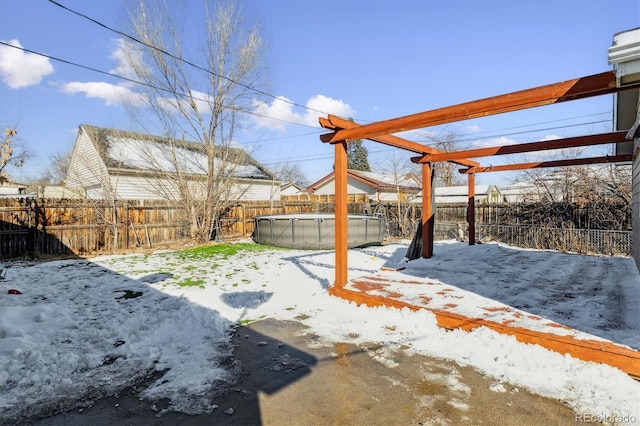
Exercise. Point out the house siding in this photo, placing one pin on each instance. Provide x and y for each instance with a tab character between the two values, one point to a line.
255	191
86	169
636	205
143	188
290	190
354	186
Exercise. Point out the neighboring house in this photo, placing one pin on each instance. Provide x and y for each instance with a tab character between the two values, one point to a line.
8	188
460	194
291	189
58	192
115	164
378	187
521	192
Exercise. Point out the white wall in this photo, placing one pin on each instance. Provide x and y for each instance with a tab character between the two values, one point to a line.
354	186
86	169
636	205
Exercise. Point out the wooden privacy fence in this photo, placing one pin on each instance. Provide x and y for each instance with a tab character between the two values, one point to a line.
37	226
54	227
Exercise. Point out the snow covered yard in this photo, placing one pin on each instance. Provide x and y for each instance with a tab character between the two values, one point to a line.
82	329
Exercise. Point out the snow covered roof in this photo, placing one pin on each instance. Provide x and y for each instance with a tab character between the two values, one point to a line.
136	151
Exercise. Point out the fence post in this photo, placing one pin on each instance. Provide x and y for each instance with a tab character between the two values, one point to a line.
126	226
243	219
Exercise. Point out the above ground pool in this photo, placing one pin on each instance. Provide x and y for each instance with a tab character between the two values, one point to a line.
316	231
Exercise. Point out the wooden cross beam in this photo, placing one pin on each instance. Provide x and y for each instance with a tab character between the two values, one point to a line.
545	164
572	142
577	88
334	122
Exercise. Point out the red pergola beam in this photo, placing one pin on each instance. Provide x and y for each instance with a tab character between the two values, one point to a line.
577	88
572	142
556	163
335	123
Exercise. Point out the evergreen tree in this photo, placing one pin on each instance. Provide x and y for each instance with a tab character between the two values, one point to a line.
357	156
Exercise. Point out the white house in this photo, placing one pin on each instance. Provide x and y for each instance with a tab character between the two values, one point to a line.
378	187
108	163
624	55
59	192
521	192
460	194
291	189
9	188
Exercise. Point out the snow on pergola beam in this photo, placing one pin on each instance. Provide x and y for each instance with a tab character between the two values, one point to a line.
577	88
572	142
626	158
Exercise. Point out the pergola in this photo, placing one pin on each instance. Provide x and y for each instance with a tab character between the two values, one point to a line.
344	131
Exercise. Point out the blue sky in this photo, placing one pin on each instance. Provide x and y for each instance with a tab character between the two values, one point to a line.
369	60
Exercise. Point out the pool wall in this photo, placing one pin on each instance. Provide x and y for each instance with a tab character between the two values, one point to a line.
316	231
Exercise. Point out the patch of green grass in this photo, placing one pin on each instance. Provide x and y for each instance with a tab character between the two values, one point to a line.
189	282
223	250
245	281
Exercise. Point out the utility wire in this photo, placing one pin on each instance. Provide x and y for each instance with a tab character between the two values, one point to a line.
533	130
184	95
305	158
150	46
547	122
171	55
376	151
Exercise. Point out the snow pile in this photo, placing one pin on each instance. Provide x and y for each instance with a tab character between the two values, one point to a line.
83	329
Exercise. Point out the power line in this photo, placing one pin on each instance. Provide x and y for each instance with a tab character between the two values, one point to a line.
171	55
281	138
534	130
548	122
377	151
184	95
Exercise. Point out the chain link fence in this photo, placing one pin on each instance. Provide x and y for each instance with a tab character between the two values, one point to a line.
448	226
592	241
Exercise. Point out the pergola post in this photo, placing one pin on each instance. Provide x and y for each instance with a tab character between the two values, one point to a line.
341	212
471	208
427	211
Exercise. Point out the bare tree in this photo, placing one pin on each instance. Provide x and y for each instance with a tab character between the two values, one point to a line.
291	173
580	184
55	173
101	194
8	156
446	173
398	167
200	103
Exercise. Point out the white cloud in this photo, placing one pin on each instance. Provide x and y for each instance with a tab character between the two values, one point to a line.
488	143
474	128
203	102
279	113
111	93
22	69
120	52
